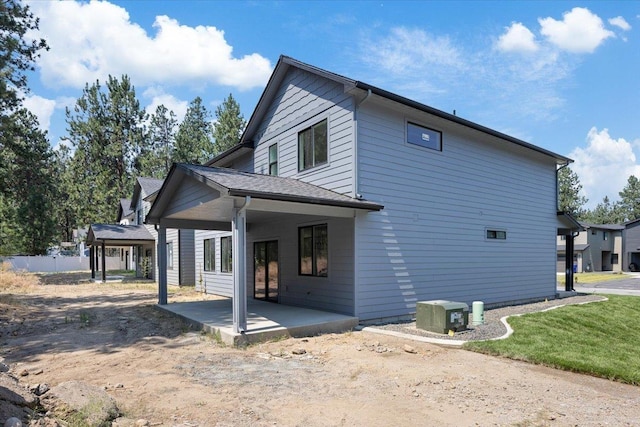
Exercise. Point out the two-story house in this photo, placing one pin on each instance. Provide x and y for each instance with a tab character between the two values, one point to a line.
348	198
598	247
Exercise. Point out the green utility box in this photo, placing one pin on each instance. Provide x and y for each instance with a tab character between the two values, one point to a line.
442	316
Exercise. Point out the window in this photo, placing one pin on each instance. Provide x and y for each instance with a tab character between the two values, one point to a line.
605	235
209	254
424	137
312	146
139	214
497	234
594	232
614	258
313	249
226	256
170	255
273	160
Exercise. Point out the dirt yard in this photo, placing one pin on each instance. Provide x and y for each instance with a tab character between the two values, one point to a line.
162	374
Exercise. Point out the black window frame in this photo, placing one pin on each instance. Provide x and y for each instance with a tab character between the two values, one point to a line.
209	254
226	254
273	162
317	230
170	255
302	163
495	234
413	129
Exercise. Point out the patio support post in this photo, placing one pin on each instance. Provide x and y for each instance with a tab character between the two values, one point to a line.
162	265
568	280
92	260
104	263
239	243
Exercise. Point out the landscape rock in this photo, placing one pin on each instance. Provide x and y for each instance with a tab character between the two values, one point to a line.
89	402
299	351
15	400
4	367
408	349
13	422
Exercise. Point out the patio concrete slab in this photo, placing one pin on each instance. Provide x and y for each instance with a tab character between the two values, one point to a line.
264	320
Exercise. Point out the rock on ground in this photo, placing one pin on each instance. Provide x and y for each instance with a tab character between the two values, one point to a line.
15	400
83	402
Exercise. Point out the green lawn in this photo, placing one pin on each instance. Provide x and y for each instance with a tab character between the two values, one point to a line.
600	339
585	278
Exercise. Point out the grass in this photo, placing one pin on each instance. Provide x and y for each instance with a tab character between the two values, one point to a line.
599	339
586	278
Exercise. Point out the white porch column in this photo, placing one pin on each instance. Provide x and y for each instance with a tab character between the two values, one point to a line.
239	252
162	265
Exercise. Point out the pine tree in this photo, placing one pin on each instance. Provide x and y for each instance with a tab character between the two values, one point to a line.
193	140
569	188
630	199
106	128
155	158
604	213
229	125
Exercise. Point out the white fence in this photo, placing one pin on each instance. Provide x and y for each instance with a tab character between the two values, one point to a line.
51	264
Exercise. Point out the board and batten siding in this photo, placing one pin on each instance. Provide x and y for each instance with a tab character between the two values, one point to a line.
211	282
429	242
303	100
332	293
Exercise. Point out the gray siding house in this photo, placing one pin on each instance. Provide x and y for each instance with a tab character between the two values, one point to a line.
344	197
598	247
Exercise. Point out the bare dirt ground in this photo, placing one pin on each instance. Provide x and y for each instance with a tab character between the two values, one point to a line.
112	337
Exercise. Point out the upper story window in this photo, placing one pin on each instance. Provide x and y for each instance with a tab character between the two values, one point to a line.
605	235
424	137
312	146
273	160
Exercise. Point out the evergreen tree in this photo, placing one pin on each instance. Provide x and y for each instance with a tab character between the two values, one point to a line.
229	125
106	130
156	157
65	212
630	199
604	213
33	184
193	140
569	188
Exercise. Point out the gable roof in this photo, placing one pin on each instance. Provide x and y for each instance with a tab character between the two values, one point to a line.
146	186
235	183
124	210
350	85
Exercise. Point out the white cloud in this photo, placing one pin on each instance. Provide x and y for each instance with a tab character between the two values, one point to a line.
604	165
43	109
159	97
620	22
517	38
580	31
89	41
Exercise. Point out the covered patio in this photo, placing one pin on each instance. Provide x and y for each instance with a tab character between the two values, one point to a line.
265	320
209	198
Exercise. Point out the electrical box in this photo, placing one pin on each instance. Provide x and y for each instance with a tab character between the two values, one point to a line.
442	316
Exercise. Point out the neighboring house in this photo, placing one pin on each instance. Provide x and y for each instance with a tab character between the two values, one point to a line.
597	248
137	241
344	197
631	246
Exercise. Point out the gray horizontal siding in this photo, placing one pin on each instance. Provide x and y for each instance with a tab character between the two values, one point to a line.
211	282
429	241
187	258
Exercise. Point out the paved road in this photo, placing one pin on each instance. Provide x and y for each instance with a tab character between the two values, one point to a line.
626	286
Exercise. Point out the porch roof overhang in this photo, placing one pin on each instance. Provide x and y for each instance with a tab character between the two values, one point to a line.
568	224
227	189
118	235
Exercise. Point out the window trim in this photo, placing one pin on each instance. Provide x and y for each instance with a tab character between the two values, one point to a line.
212	254
495	234
301	167
271	162
170	255
226	266
416	144
314	255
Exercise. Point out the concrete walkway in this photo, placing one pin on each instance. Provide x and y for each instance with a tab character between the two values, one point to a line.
264	320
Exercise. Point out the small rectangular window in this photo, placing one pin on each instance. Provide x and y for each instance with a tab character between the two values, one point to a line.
312	146
226	256
614	258
605	235
424	137
209	254
170	255
313	249
497	234
273	160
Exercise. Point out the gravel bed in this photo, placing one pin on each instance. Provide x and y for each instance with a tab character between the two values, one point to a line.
492	327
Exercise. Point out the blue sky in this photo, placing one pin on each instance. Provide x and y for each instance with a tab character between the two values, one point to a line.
561	75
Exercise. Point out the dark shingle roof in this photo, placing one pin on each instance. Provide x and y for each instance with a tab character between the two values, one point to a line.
125	208
275	188
118	232
150	185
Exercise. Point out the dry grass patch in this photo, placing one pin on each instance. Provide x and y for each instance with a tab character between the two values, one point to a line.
15	282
